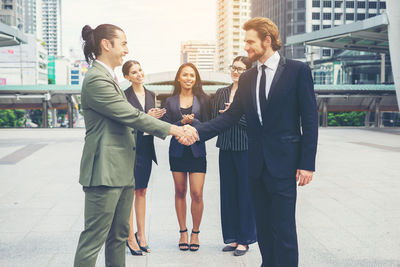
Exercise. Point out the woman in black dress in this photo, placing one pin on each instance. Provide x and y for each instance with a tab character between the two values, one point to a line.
188	105
144	100
237	218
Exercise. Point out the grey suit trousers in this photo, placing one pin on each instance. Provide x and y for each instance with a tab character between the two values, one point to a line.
107	211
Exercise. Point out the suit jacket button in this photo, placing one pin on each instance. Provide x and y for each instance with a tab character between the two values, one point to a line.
134	148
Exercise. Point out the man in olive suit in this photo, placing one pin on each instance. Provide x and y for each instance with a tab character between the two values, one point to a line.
106	171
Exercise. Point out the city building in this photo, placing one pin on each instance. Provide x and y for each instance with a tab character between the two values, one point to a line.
231	15
300	16
51	20
33	17
200	53
59	70
78	71
24	64
11	13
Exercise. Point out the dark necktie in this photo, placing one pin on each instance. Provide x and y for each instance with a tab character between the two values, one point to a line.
261	93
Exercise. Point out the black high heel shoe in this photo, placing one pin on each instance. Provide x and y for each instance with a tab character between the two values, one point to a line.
183	246
135	252
194	247
145	248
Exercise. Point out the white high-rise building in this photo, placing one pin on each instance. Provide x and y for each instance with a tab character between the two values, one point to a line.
200	53
51	20
33	17
231	15
11	13
25	64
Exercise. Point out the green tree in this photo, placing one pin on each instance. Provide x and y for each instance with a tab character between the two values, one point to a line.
353	118
12	118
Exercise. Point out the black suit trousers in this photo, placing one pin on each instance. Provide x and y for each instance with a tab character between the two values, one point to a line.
274	200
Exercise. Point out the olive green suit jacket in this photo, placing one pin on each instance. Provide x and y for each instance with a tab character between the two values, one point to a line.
109	152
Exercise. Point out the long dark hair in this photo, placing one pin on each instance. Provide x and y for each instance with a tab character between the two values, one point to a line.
127	66
197	88
244	60
92	38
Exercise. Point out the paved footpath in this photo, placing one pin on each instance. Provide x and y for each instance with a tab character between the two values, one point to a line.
348	216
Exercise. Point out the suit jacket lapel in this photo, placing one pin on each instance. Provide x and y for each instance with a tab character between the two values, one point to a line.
278	73
196	107
225	94
175	106
253	87
149	100
132	98
107	73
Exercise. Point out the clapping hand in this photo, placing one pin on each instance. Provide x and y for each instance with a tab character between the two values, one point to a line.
187	119
227	105
157	112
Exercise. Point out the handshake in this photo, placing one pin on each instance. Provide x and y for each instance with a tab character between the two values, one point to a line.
186	135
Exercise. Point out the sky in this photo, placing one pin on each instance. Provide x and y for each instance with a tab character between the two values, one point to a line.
154	28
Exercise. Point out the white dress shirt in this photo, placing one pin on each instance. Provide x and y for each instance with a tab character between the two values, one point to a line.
107	68
272	64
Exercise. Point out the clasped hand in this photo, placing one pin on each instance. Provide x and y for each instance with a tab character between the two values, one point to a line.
186	135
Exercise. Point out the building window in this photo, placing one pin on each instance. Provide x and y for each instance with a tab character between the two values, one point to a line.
338	3
382	5
327	4
300	16
371	15
326	26
372	4
301	4
315	28
349	16
316	3
301	29
361	4
289	30
338	16
315	15
326	52
327	16
350	4
360	16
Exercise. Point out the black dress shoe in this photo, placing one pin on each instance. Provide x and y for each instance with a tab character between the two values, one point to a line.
145	248
229	248
135	252
239	252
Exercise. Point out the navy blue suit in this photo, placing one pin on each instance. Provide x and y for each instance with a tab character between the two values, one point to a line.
201	111
145	152
285	142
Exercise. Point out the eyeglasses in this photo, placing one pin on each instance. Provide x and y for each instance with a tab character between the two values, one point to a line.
237	69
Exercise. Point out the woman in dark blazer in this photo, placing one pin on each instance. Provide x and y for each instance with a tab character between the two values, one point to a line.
238	224
144	100
188	105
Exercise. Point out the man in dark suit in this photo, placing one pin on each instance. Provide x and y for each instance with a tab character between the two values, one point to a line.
277	97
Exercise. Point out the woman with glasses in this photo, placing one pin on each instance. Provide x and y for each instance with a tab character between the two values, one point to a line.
238	225
145	101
